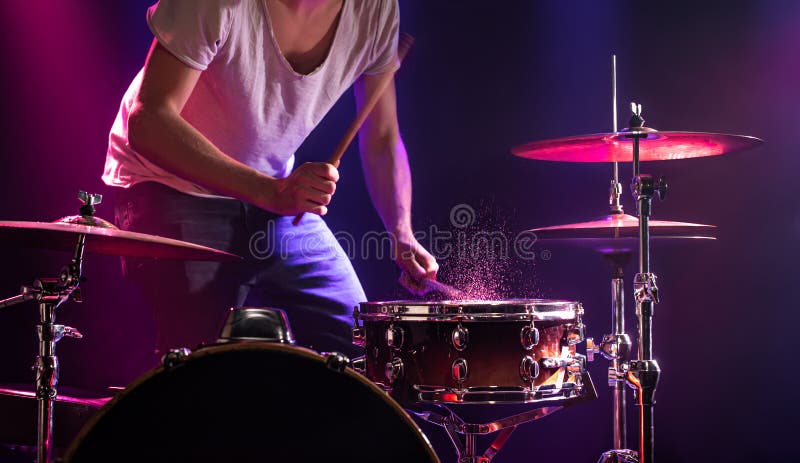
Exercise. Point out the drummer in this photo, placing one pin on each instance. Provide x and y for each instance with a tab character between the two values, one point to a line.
202	150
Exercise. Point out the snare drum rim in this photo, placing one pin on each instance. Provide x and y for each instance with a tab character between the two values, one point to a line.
500	310
257	346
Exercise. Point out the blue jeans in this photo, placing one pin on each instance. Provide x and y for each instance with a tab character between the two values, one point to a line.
300	269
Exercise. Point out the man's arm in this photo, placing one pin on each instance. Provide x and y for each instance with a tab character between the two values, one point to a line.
388	178
157	131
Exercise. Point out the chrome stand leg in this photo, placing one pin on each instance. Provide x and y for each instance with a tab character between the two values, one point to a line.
470	447
618	365
616	348
46	381
644	373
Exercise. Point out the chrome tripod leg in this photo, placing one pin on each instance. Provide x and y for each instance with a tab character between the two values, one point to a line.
46	381
618	365
616	348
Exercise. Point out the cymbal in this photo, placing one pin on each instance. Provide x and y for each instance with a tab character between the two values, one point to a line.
102	237
617	146
620	232
73	408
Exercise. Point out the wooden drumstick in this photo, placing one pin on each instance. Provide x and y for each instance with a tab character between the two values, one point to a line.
447	290
402	49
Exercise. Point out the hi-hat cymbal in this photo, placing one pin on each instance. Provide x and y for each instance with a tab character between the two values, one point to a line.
620	232
103	238
617	146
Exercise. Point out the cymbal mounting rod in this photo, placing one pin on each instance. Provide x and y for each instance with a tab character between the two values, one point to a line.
615	191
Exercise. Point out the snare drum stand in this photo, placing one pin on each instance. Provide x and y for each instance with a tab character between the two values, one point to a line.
51	293
466	448
644	372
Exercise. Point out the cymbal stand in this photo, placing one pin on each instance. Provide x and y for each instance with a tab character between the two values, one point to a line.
616	346
644	372
51	293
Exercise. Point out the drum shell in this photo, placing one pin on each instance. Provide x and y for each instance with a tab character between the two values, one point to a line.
505	351
493	354
251	402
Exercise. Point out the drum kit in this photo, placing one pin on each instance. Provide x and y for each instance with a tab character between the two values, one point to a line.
259	395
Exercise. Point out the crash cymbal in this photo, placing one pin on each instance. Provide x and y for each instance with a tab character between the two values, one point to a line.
654	146
103	237
620	232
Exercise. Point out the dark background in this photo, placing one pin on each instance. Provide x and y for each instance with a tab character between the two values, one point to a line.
483	77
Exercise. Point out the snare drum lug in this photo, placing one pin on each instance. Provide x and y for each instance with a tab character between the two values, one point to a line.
529	337
577	365
555	362
460	337
575	335
528	369
359	336
459	370
591	349
394	336
394	370
359	364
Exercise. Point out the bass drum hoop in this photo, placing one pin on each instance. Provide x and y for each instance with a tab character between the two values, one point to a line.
215	350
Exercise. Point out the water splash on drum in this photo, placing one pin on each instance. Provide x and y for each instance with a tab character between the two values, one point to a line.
483	262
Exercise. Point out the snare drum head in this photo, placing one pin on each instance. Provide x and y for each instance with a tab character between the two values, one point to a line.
251	402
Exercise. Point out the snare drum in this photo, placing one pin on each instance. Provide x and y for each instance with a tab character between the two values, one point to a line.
252	401
515	351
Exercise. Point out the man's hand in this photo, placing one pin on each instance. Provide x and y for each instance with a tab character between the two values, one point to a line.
417	263
309	188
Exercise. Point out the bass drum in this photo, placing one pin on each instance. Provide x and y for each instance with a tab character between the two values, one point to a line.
252	402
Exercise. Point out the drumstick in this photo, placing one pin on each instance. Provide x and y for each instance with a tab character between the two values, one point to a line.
403	46
449	291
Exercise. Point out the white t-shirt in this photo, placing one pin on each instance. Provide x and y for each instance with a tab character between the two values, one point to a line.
248	101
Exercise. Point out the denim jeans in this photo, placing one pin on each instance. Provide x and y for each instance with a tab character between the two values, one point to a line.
300	269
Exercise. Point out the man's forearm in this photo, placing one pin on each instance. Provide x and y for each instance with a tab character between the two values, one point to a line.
388	180
167	140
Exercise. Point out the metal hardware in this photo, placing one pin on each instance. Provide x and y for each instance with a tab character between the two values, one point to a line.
615	347
89	200
459	370
394	336
575	334
577	364
644	287
359	364
359	336
619	456
460	337
336	361
515	309
529	337
528	369
556	362
456	427
644	373
394	369
175	357
591	349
